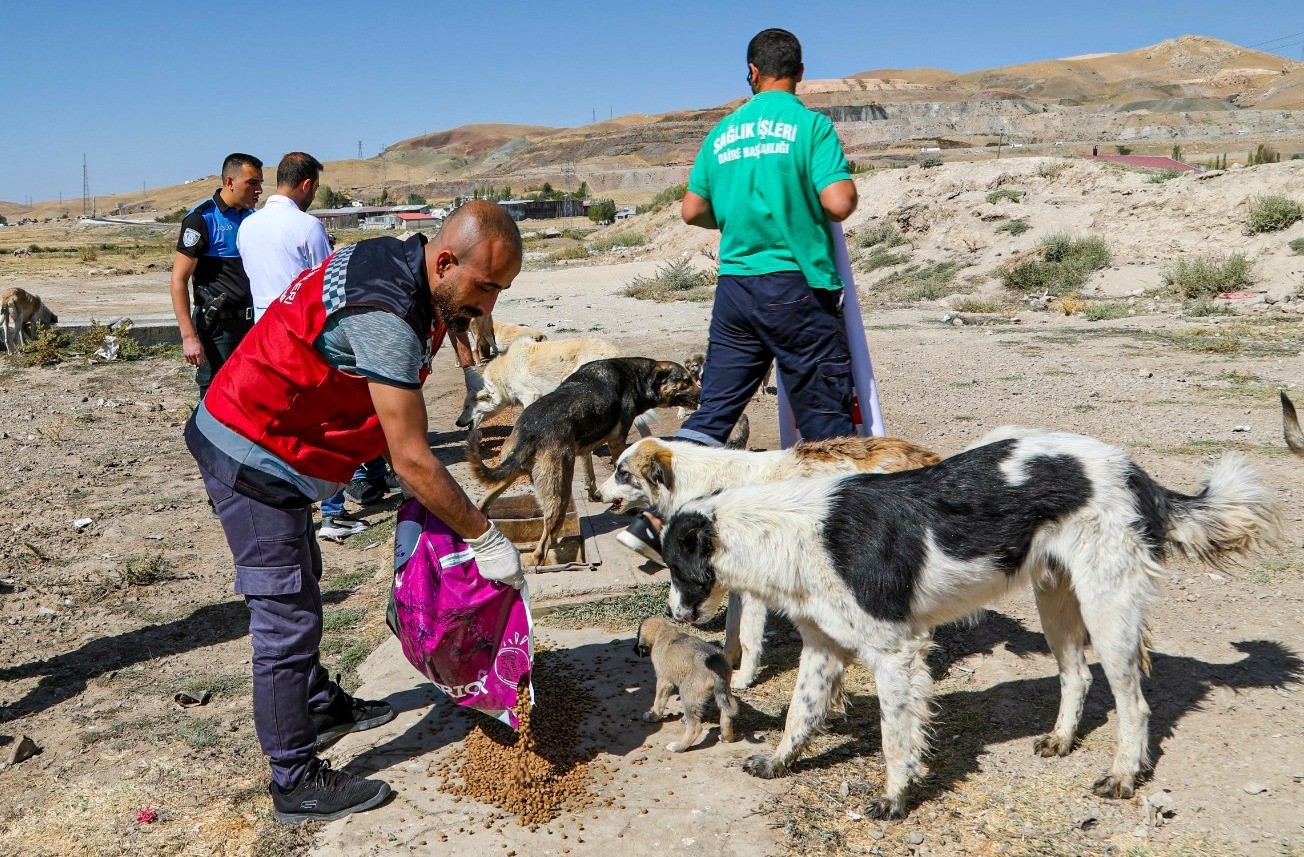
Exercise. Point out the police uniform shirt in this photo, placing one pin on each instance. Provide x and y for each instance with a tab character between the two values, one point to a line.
208	235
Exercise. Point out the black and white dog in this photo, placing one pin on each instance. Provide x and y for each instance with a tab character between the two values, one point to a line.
867	565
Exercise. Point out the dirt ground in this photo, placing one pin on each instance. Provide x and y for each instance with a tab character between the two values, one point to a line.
104	622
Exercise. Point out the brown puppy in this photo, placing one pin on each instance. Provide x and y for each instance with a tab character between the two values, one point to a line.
694	666
1290	426
596	404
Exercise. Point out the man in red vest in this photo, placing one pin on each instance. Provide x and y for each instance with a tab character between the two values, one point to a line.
328	378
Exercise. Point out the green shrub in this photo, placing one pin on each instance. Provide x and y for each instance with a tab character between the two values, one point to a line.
1264	155
603	209
1205	307
1297	246
1163	176
881	258
1123	150
1065	265
885	235
930	162
1051	169
45	350
1206	276
975	304
175	217
673	281
998	195
921	282
1015	227
1105	310
571	252
620	239
1273	213
667	197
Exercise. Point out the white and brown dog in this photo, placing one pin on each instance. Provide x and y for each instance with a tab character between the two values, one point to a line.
667	474
867	565
490	338
528	370
21	314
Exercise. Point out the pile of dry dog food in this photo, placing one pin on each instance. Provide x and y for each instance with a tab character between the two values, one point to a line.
534	773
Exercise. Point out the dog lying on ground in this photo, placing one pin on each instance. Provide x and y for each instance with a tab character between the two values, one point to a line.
693	666
490	338
666	475
21	313
597	404
1290	426
867	565
528	370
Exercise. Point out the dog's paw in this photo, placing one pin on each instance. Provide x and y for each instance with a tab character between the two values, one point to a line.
741	680
1048	746
651	717
1115	787
765	766
885	807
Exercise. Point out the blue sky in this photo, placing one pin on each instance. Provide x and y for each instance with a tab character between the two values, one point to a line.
160	92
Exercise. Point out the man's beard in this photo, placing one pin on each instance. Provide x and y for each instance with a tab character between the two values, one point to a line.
456	319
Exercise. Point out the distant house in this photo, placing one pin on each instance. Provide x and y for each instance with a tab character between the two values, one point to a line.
367	216
544	209
413	220
1144	162
624	213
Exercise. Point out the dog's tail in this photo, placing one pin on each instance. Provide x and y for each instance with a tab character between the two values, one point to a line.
1290	425
1234	514
510	467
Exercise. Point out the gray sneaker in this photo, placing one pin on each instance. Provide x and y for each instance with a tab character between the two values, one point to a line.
341	526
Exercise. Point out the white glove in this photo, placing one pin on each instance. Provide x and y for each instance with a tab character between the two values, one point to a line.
497	558
474	380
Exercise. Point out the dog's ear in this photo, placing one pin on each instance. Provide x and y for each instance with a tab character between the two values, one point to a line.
661	469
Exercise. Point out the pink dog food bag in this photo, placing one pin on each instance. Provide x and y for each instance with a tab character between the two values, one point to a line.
472	637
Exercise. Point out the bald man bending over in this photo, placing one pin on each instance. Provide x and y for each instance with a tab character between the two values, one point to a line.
331	377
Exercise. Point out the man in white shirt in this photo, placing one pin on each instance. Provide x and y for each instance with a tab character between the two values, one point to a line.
284	240
281	239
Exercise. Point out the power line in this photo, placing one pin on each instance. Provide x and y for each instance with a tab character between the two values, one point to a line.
1278	39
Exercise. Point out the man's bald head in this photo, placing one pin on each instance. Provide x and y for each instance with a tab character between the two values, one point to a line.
478	222
476	255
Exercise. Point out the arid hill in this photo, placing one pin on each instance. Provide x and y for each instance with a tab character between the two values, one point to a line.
1208	96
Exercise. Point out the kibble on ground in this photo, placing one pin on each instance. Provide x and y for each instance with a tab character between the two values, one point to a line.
535	773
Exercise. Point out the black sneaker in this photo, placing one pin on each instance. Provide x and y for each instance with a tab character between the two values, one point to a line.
324	794
642	539
364	492
348	714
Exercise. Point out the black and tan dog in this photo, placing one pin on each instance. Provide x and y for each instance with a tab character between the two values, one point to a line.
597	404
694	666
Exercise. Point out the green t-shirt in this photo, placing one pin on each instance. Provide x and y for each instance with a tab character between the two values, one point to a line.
763	168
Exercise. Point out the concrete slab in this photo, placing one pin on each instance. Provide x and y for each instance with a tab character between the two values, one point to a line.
697	802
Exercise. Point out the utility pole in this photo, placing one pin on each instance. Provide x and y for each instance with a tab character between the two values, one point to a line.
86	189
1000	139
359	150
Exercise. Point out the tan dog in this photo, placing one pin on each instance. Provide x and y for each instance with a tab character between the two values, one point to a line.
1290	426
21	313
694	666
490	338
666	475
528	370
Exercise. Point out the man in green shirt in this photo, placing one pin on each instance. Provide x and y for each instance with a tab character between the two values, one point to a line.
770	176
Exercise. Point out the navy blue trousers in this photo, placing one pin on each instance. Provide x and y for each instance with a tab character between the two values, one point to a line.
277	570
775	317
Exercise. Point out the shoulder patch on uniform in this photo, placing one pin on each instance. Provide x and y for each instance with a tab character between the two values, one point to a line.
190	237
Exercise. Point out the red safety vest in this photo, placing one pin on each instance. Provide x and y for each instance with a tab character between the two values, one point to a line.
278	391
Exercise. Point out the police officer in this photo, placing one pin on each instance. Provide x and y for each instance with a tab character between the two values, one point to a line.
207	256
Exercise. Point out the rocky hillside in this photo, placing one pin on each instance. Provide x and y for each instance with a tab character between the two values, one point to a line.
1210	96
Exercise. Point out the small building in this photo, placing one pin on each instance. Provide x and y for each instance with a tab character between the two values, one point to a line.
416	221
544	209
366	216
624	214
